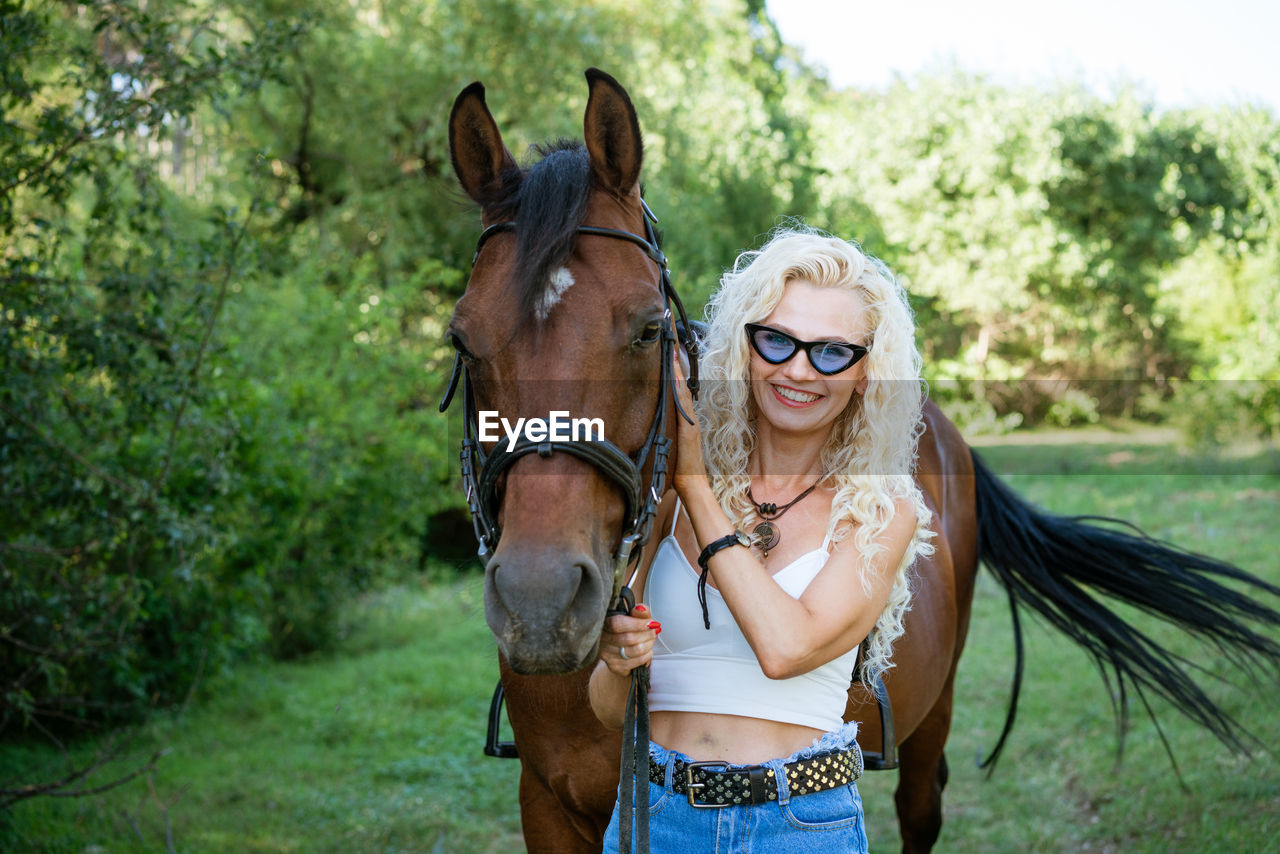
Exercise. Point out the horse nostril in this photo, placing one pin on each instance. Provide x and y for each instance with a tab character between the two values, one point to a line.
493	585
590	589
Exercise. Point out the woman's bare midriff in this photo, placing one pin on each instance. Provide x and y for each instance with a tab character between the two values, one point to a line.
729	738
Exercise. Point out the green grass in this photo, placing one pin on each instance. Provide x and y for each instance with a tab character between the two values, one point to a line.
1058	787
378	747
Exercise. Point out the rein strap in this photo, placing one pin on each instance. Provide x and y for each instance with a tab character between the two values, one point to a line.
633	800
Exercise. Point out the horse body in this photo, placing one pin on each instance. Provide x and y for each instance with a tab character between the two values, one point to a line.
577	328
922	683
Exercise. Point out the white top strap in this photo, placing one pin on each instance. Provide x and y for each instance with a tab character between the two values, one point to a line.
675	517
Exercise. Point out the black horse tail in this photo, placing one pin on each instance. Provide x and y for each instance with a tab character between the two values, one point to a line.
1057	566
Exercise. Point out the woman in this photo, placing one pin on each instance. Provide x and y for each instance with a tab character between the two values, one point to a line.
784	548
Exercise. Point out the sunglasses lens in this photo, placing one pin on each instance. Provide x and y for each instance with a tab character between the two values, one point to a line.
833	358
773	346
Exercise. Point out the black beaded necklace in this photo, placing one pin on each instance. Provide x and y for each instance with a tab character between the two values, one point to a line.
768	535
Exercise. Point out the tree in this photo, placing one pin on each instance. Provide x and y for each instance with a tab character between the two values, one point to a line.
114	448
1034	229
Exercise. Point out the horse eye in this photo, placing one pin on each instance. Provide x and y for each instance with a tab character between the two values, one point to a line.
650	333
466	354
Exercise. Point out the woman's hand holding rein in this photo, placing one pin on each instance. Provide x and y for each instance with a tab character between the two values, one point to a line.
627	641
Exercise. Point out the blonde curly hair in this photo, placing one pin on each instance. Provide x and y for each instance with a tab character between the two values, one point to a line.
871	452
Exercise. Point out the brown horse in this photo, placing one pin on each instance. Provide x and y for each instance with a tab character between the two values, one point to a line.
561	315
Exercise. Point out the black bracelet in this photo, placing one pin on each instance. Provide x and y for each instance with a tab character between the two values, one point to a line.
737	538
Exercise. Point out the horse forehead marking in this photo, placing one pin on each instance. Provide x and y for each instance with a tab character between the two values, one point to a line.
558	282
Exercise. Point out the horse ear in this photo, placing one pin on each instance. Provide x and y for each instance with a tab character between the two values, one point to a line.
475	145
612	133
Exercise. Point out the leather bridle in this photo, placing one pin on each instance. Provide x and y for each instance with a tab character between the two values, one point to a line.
482	471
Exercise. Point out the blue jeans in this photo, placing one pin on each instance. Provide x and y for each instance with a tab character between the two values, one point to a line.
830	821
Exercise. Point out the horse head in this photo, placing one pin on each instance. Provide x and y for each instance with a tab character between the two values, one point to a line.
566	326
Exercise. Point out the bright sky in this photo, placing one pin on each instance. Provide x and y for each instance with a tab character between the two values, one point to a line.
1178	52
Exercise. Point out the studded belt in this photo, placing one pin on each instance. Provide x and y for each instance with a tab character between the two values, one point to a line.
713	784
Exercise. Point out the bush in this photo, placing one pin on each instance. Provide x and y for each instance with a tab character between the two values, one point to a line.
342	454
115	451
1073	409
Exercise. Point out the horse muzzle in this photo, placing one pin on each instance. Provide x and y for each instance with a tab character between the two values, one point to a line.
545	607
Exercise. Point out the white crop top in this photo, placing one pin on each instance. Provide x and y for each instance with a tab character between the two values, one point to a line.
714	670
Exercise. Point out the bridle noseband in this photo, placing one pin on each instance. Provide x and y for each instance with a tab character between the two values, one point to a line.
481	471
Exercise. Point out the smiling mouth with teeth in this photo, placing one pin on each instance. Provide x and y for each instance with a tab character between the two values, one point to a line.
795	396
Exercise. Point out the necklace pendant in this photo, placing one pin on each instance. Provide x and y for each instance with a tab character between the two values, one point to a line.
767	536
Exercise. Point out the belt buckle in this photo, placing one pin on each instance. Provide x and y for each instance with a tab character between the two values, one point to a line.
690	785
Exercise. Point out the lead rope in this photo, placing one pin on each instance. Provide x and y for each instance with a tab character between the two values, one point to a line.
634	815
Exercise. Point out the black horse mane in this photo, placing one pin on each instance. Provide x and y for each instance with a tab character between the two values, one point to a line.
548	202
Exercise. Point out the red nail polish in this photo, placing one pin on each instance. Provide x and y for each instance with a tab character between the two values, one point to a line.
642	608
654	625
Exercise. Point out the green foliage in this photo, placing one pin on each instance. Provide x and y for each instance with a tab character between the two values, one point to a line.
116	455
1225	295
342	453
356	130
1046	236
1072	409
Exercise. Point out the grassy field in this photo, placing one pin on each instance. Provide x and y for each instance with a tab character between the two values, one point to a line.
378	747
